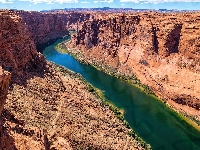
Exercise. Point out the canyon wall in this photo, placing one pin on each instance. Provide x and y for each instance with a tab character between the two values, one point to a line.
4	85
44	27
20	31
18	56
162	50
18	53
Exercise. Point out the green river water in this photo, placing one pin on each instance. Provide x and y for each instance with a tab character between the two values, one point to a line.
155	123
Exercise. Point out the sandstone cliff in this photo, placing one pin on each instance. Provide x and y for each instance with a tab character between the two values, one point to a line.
44	27
162	50
18	53
47	106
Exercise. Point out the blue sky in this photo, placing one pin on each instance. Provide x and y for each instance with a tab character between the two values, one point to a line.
136	4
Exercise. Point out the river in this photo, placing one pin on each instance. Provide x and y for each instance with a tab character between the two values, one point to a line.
155	123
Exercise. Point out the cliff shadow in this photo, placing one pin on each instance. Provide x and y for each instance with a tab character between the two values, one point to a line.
36	67
9	124
155	39
19	124
41	47
95	28
18	53
6	140
173	39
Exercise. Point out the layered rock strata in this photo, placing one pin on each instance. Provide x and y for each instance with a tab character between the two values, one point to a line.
162	50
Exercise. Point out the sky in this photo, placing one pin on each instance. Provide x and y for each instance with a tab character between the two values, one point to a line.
39	5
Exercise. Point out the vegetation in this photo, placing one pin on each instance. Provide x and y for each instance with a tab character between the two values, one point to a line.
90	88
192	118
118	113
105	68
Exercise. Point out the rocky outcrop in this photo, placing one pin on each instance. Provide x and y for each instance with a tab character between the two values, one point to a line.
18	57
18	53
59	112
162	50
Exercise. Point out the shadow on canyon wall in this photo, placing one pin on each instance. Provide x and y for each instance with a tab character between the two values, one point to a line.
155	39
172	42
173	39
18	53
18	126
6	140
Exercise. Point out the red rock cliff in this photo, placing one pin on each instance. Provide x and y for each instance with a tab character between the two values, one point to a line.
47	26
18	53
45	93
161	49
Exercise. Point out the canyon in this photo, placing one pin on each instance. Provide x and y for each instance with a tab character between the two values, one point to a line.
43	105
160	49
44	27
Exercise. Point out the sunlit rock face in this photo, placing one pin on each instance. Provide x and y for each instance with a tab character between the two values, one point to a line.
161	49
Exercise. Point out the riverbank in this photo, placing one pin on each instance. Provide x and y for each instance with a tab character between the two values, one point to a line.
118	113
60	110
99	94
62	47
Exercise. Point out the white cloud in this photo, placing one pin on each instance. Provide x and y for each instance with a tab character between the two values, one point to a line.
6	2
158	1
122	4
85	2
104	1
51	1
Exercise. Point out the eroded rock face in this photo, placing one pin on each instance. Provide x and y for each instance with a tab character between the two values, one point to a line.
17	49
18	57
62	113
162	50
47	26
112	31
